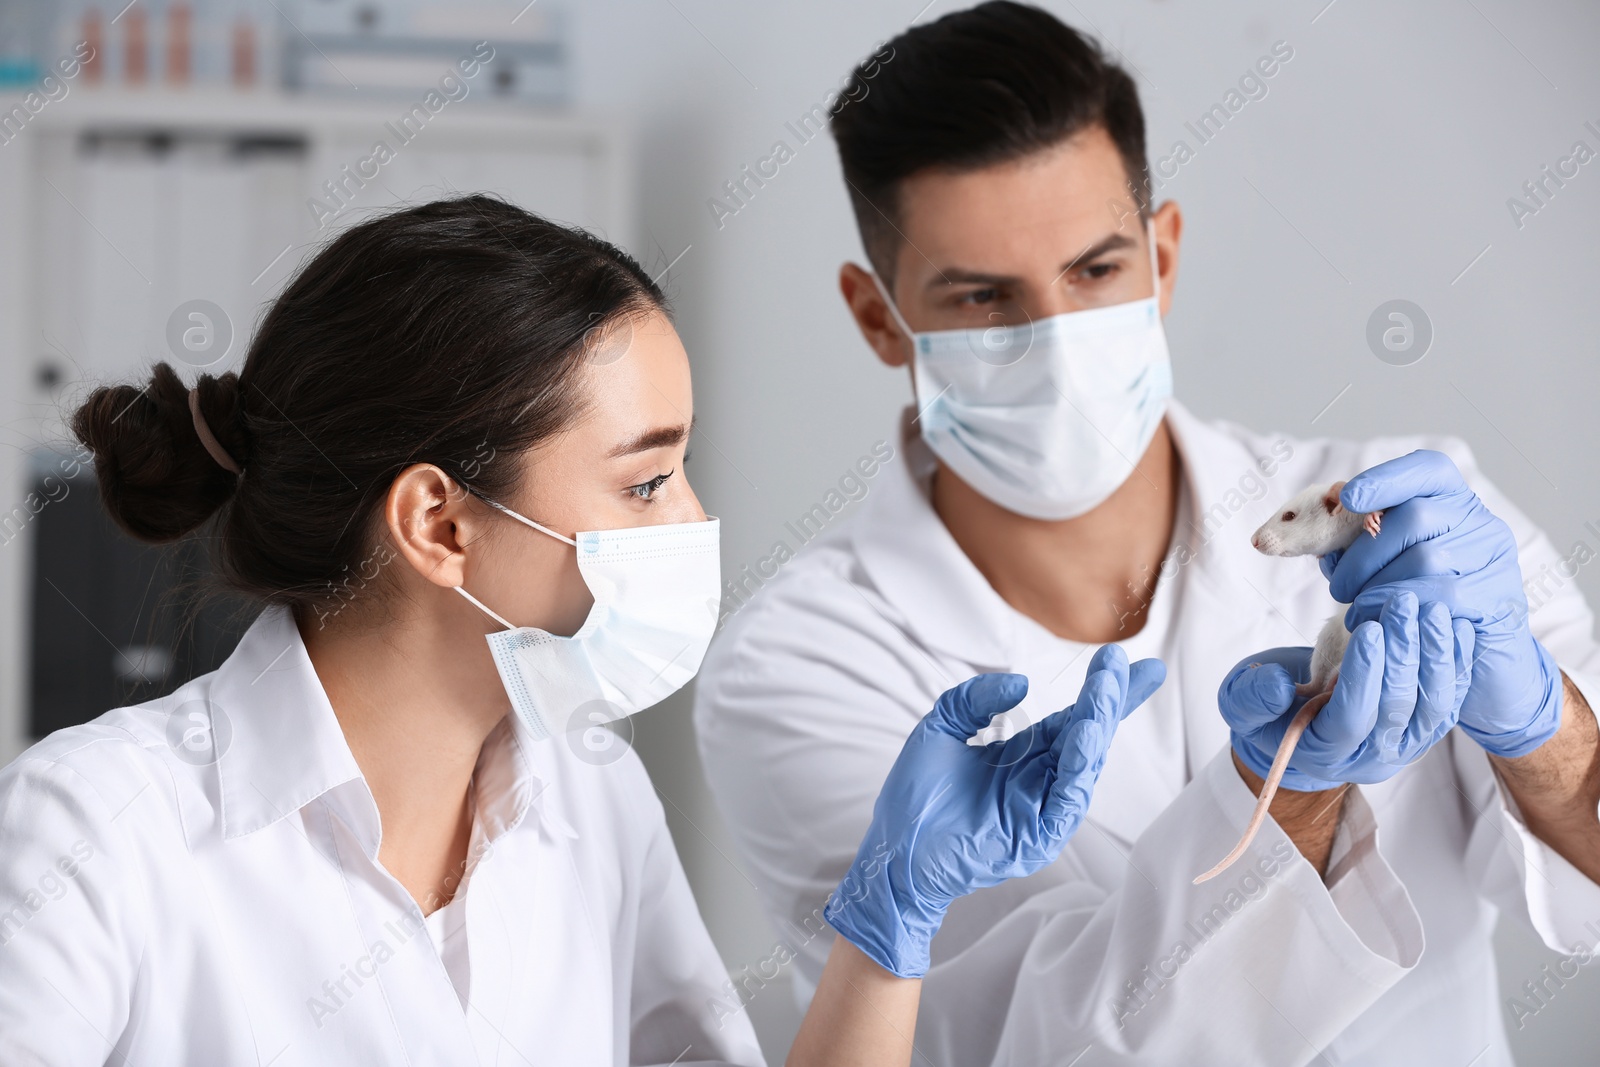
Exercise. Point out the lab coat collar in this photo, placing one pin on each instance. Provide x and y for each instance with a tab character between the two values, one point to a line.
914	562
282	747
1222	474
508	788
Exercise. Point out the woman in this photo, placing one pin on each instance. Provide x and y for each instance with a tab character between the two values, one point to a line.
457	434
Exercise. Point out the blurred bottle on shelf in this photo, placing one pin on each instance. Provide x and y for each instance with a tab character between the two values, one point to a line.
180	44
94	35
136	46
242	47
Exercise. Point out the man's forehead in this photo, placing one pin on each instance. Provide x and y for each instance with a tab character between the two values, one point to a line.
1072	193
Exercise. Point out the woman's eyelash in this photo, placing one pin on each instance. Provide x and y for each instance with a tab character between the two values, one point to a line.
644	490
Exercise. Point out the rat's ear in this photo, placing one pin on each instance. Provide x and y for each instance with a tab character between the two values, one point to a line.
1330	499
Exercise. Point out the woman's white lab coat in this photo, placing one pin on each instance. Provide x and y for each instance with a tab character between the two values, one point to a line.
194	881
1111	955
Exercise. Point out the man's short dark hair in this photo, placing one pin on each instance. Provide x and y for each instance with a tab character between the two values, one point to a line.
978	87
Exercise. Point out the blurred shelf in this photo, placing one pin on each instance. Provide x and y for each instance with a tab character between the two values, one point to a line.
229	110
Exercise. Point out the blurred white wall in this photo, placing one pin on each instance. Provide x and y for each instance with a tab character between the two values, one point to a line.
1377	167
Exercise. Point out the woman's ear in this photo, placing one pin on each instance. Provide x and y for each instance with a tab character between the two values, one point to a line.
431	521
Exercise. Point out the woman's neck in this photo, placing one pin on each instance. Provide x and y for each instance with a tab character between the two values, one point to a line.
415	697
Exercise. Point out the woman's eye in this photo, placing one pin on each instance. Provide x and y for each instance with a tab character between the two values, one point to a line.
644	490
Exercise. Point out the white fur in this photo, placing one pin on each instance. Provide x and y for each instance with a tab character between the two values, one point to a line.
1327	653
1314	523
1314	529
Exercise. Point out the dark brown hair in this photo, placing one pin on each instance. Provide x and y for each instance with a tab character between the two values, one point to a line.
451	333
978	87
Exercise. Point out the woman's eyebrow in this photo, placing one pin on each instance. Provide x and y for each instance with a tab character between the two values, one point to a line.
660	437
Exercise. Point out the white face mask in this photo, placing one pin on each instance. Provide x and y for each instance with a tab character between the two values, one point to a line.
1045	419
656	595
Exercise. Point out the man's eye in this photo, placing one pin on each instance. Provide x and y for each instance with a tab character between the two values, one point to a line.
981	296
1099	270
644	490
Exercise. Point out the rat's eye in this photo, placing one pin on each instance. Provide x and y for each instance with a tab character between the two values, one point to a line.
1288	516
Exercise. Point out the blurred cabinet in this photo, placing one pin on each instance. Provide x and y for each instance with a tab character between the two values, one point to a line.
122	208
114	621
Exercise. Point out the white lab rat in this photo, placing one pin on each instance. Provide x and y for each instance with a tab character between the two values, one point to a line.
1312	523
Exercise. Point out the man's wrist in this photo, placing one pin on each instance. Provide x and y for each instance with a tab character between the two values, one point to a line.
1561	769
1556	787
1309	819
1247	756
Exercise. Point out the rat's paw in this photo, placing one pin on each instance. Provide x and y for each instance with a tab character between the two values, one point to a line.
1373	522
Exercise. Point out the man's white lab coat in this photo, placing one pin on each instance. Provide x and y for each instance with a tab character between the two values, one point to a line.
194	882
1111	954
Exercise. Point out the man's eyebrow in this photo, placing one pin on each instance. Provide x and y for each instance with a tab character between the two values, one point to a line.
1111	243
660	437
961	276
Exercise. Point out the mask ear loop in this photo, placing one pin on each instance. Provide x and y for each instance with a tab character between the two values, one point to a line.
1155	266
529	522
486	609
480	605
911	335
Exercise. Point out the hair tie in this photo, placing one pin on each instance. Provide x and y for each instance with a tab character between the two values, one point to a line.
207	438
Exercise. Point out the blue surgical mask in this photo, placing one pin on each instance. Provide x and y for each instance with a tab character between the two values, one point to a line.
1049	418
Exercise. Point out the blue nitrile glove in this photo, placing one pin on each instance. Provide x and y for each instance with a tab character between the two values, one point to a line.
1400	690
1442	544
954	817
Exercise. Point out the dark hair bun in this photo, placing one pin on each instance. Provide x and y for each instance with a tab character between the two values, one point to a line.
156	478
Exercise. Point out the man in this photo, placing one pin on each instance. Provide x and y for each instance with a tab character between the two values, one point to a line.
1051	497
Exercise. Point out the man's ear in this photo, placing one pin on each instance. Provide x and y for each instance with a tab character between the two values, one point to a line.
431	521
1168	220
872	316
